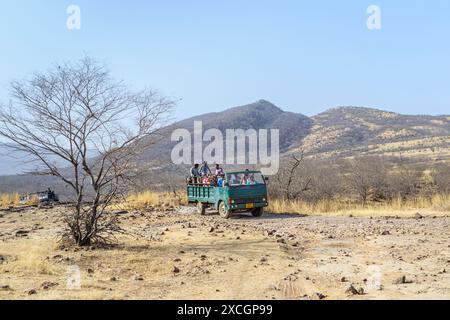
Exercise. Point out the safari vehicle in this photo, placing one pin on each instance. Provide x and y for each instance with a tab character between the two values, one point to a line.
43	197
240	191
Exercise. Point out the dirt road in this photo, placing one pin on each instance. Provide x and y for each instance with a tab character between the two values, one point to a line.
179	255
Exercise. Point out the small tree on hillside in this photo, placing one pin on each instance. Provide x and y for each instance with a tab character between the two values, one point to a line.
292	180
86	129
368	178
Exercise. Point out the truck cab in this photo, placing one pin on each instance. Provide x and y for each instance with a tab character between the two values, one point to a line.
237	191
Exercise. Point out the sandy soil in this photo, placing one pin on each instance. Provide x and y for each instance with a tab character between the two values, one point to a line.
180	255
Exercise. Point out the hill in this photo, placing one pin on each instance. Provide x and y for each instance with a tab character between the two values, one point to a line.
337	133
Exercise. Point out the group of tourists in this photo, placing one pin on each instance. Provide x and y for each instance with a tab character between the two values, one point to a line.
243	179
202	175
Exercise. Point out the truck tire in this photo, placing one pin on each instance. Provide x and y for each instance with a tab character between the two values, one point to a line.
201	208
223	211
257	212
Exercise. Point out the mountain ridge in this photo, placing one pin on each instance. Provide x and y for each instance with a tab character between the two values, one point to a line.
340	132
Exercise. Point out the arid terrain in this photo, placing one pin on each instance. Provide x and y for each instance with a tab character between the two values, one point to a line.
177	254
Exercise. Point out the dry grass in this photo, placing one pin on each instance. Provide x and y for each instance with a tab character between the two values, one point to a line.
13	200
9	199
437	204
29	259
150	199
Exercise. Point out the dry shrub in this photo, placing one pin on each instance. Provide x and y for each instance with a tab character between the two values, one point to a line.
150	199
437	203
9	199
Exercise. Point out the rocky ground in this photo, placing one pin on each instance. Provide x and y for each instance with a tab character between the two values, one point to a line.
178	254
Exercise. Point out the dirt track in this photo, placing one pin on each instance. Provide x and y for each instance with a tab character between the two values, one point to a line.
180	255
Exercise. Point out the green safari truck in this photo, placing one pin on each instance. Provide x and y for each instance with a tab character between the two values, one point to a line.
239	191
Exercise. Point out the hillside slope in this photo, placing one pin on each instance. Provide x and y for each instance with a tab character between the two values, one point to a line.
337	133
352	131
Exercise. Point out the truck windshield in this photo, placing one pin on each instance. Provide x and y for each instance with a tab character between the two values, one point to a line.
240	179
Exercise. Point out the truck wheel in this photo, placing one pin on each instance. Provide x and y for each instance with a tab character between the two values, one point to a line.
257	212
223	211
201	208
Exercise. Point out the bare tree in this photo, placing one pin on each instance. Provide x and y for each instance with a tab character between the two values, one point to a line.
86	129
368	178
326	180
404	179
292	180
442	178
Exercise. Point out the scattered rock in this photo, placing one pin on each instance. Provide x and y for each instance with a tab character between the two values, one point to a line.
113	279
48	285
22	233
352	290
5	288
90	271
320	295
139	278
418	216
32	292
211	229
177	260
344	279
176	270
385	233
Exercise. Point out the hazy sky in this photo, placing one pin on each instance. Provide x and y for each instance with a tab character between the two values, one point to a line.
305	56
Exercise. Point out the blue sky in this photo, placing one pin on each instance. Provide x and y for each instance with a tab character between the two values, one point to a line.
305	56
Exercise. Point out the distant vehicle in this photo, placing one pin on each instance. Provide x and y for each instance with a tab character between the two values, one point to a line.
241	191
48	196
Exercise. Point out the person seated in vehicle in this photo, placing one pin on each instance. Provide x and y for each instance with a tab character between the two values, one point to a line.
220	181
251	180
205	180
204	169
214	181
195	174
219	170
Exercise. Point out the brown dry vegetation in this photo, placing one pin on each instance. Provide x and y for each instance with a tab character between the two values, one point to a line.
436	205
8	199
150	199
